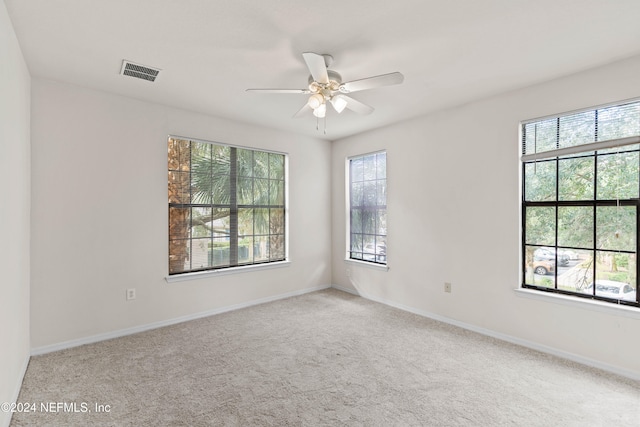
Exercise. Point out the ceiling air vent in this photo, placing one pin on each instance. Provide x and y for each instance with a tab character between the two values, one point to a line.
139	71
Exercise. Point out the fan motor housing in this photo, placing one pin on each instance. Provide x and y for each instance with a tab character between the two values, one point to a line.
333	76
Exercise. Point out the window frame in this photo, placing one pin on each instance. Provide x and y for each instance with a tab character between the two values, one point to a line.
593	150
234	205
377	261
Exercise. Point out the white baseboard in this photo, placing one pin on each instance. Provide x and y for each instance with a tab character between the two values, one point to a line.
136	329
504	337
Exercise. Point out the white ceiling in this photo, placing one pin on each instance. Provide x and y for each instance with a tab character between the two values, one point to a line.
450	51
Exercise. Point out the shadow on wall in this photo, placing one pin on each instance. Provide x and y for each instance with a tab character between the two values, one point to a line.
366	281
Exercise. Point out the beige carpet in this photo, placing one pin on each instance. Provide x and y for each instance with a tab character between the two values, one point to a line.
321	359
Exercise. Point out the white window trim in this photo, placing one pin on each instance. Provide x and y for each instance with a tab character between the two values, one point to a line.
583	303
570	300
374	265
225	271
347	212
181	277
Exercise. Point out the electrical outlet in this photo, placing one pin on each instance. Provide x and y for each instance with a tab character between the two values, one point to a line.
131	294
447	287
348	271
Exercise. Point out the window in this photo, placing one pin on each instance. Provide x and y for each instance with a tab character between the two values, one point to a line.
226	206
368	208
580	201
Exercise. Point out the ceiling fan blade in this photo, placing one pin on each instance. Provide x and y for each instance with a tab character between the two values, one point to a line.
301	112
372	82
279	90
357	106
316	66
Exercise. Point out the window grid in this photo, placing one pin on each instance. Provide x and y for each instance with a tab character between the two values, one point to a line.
580	217
226	206
368	208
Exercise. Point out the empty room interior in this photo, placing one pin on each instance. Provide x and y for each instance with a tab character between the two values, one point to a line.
335	213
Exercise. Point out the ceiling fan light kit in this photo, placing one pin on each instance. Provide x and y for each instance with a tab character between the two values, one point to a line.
315	100
320	111
326	86
339	103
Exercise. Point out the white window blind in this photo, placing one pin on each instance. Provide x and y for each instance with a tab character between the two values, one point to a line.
594	129
581	203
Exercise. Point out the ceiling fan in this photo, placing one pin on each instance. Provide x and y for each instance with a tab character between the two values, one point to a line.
326	87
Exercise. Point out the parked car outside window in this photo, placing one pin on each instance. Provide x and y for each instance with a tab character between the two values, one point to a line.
612	289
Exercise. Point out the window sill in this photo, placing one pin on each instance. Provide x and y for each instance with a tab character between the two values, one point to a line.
588	304
383	267
226	271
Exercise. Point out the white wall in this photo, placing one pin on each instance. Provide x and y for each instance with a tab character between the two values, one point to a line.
14	213
99	215
453	216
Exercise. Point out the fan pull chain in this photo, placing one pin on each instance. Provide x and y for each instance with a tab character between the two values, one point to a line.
324	123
